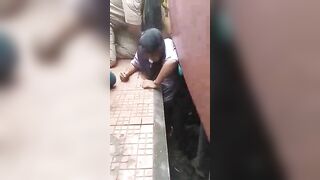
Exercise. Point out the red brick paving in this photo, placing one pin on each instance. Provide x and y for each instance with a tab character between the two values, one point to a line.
132	122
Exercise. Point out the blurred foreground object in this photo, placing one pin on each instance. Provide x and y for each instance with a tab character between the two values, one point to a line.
70	20
9	7
53	120
279	47
8	58
53	40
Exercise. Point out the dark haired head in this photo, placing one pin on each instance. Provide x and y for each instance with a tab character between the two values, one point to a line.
152	44
151	40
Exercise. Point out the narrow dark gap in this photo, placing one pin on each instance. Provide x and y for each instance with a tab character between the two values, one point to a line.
188	146
187	143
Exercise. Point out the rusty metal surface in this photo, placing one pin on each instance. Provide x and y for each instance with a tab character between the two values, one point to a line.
190	25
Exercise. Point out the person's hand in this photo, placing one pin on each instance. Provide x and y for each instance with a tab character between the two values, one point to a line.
148	84
124	77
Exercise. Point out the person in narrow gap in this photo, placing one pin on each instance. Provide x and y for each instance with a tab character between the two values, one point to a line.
157	59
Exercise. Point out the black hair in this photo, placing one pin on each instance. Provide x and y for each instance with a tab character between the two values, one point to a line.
151	40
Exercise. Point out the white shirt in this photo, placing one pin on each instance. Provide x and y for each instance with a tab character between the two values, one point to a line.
170	84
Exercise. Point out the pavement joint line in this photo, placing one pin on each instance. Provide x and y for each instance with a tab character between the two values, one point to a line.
137	101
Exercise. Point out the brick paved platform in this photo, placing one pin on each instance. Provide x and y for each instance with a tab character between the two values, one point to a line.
133	122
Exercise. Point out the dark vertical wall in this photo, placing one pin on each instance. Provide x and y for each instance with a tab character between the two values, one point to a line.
190	23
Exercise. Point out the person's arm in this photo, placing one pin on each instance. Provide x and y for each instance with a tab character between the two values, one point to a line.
133	67
168	67
124	76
